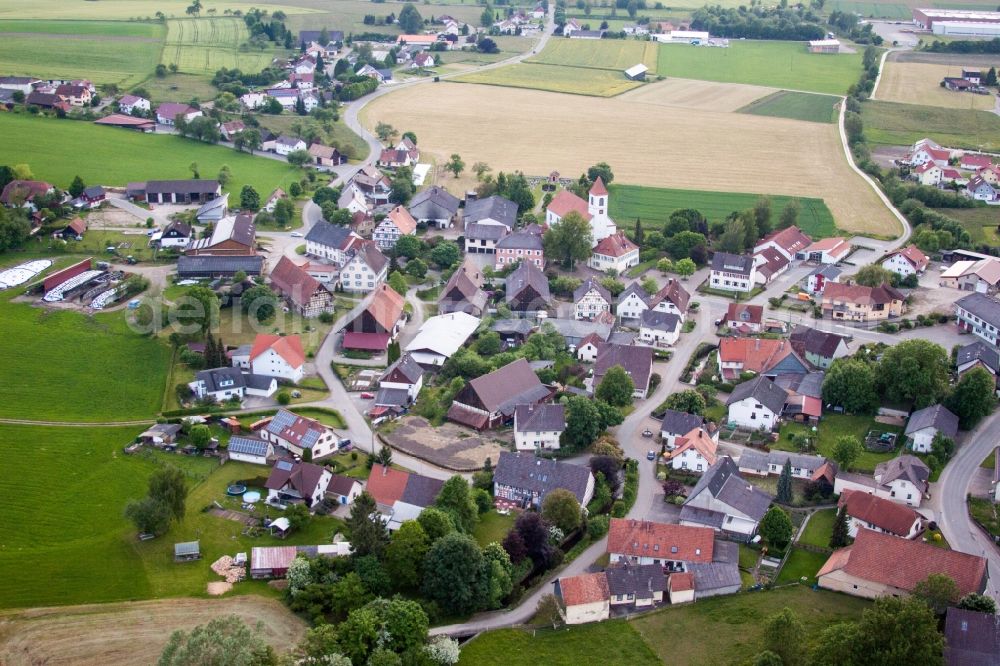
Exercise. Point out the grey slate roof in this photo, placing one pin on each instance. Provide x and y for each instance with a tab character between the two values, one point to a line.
528	275
637	362
760	460
659	321
589	284
328	234
715	576
634	288
828	271
392	397
938	417
518	326
680	423
434	203
260	382
732	263
493	232
982	306
810	340
520	240
705	517
405	366
642	580
810	384
251	446
540	418
763	390
906	466
217	379
982	352
495	207
723	482
421	490
527	472
575	330
204	265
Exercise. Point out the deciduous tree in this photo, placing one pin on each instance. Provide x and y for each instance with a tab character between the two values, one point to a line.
873	275
249	199
455	574
455	499
569	241
785	635
973	398
225	641
616	387
852	385
583	423
455	165
560	508
938	591
892	631
846	451
776	527
914	371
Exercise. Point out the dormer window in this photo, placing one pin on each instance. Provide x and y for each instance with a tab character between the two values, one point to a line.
673	549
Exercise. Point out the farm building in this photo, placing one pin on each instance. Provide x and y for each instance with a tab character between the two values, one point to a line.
187	551
251	449
824	46
208	266
637	72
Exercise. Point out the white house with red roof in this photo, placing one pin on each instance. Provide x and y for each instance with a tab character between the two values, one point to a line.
692	452
990	174
924	151
615	252
273	356
594	210
789	242
827	250
907	261
975	161
929	173
397	223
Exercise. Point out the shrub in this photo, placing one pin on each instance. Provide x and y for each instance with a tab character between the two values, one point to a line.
618	509
284	397
597	527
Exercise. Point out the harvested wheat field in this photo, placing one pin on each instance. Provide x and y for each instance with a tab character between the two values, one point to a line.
919	83
130	633
645	144
699	95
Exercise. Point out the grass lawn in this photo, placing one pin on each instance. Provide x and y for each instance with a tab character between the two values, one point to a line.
63	366
102	51
795	105
892	10
894	124
613	54
801	564
179	87
990	461
837	425
492	527
735	623
554	78
819	528
612	642
748	556
116	156
653	205
776	64
986	513
508	46
340	135
981	223
121	9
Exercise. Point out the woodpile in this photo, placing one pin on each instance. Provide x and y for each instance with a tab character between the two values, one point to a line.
227	567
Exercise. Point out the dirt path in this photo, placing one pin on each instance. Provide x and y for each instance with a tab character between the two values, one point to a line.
78	424
131	632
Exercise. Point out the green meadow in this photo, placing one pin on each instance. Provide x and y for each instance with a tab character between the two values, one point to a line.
895	124
795	105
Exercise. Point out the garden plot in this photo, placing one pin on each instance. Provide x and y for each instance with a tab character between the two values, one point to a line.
448	446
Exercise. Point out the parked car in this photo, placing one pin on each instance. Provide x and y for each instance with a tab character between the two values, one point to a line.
344	443
367	396
295	234
651	455
647	433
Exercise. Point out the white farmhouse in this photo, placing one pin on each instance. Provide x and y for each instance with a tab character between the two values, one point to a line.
272	356
591	300
908	261
926	423
756	404
733	272
538	427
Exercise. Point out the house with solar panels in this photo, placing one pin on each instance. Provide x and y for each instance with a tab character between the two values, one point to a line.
250	448
297	481
298	434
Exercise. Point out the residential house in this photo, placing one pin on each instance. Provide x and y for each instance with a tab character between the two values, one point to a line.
924	151
594	211
908	261
288	144
538	427
222	384
614	253
331	242
231	129
659	329
854	302
422	60
745	319
694	451
208	266
399	495
74	230
392	158
75	95
971	638
404	373
925	424
489	401
759	355
788	241
804	403
273	199
298	434
636	361
46	100
902	479
24	84
733	272
881	565
820	276
770	263
434	206
724	501
326	156
632	302
990	174
22	193
978	355
440	337
344	489
297	480
366	268
254	100
981	276
981	190
373	183
304	294
378	324
278	356
827	251
584	598
133	104
523	245
250	449
527	290
928	174
180	191
674	547
213	211
638	586
819	348
486	222
677	424
756	404
232	236
168	112
287	97
975	161
588	347
524	480
868	512
772	463
398	222
591	300
672	298
464	291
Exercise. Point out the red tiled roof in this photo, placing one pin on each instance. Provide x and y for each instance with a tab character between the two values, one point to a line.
755	313
859	295
565	202
974	161
890	516
642	538
28	189
598	189
386	306
366	341
835	247
294	282
615	245
681	582
926	166
78	225
697	439
402	219
901	563
913	254
674	292
756	354
584	589
791	239
288	347
386	484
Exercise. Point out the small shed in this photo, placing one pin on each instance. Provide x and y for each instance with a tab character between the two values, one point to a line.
280	527
187	551
637	72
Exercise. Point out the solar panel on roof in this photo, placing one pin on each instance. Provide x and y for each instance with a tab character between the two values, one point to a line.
284	465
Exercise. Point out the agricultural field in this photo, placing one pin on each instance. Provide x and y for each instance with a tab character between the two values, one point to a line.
569	133
894	124
179	87
701	95
554	78
204	45
981	223
131	632
102	51
615	54
508	46
889	10
917	82
777	64
125	10
654	205
797	106
116	156
63	366
348	15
